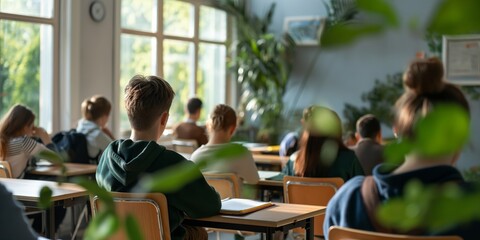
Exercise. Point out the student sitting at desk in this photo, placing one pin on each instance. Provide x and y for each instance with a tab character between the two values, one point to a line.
17	146
322	152
354	205
95	111
221	126
147	101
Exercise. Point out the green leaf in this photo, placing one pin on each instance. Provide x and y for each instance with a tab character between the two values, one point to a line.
93	188
45	198
396	151
102	226
132	228
340	35
381	8
444	130
50	156
456	17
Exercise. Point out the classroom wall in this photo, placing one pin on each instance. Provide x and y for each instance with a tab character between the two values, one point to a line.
341	75
89	49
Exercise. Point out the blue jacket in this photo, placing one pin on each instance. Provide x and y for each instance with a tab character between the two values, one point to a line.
347	209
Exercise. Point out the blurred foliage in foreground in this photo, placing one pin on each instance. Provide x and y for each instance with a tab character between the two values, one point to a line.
444	131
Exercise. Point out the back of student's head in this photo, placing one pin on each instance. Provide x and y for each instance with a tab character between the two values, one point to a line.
146	98
425	89
222	118
194	105
95	107
322	130
368	126
13	125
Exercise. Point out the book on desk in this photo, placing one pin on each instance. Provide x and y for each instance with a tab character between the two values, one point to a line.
240	206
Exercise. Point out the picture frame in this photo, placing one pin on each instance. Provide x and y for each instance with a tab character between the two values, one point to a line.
461	58
305	30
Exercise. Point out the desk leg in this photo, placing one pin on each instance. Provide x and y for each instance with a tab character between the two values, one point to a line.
310	229
269	234
51	222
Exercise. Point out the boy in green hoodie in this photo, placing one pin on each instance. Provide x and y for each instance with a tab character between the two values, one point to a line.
147	101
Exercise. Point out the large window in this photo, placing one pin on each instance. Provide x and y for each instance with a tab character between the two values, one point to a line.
27	56
182	41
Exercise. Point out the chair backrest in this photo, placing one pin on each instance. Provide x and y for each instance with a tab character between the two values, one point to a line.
184	145
311	191
343	233
5	170
149	209
226	184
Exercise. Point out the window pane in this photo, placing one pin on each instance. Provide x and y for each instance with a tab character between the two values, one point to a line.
38	8
213	24
26	67
137	56
178	65
178	18
211	75
139	15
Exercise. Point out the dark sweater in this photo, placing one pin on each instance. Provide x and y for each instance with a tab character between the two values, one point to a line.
346	208
124	161
345	166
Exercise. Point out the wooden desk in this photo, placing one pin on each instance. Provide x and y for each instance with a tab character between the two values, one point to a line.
268	185
281	217
268	150
28	192
270	162
73	169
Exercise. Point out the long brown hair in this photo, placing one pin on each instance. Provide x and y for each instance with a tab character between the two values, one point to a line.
323	133
12	125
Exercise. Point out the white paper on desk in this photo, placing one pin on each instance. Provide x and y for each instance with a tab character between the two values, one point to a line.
239	206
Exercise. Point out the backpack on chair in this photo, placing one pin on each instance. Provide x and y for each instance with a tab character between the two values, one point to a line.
74	144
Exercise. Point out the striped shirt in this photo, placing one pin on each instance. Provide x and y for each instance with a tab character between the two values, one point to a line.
20	150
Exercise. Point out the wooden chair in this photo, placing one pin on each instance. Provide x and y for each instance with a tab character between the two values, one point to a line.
5	170
226	184
184	145
149	209
343	233
311	191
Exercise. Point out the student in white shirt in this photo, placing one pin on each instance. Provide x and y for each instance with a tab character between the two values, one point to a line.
96	112
221	126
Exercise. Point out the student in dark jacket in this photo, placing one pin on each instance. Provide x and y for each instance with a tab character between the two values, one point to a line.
425	89
147	101
369	149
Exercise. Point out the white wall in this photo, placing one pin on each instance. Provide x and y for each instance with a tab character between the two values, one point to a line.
89	57
341	75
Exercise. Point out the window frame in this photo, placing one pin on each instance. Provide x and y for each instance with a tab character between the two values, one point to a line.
159	37
49	92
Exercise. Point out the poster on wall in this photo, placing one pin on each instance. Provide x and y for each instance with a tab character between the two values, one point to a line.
305	30
461	56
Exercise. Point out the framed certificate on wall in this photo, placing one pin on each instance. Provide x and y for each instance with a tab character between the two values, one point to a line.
461	56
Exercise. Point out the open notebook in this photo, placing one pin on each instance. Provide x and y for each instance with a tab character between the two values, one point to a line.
240	206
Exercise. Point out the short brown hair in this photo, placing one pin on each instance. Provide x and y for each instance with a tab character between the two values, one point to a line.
146	98
95	107
222	117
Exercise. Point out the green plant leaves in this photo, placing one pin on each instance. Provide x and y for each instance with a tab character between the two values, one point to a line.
102	226
456	17
132	228
45	200
380	16
50	156
443	131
